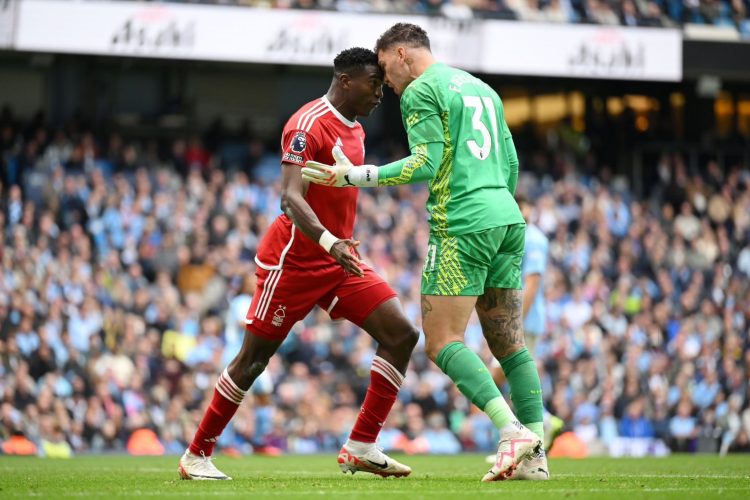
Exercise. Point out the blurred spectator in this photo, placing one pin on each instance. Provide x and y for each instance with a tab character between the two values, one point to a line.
683	428
634	424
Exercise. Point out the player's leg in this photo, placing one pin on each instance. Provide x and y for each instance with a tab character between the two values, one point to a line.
444	319
500	313
497	371
553	425
277	304
453	277
229	392
371	304
395	334
535	467
499	324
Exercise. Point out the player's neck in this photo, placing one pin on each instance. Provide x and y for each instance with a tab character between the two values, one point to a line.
338	101
422	60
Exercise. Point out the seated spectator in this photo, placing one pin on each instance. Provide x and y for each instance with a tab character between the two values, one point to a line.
682	427
635	424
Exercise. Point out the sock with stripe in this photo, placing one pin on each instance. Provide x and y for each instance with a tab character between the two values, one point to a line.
385	381
474	381
525	390
227	398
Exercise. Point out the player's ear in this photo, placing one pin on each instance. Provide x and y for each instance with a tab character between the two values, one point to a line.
401	51
345	80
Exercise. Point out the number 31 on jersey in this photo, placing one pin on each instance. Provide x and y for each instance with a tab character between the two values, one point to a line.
484	110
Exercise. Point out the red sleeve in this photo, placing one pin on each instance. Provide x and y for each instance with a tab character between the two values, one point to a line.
298	146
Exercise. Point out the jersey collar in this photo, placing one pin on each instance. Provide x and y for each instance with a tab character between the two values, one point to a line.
342	118
428	70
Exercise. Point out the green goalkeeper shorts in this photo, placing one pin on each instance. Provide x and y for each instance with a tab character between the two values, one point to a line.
468	264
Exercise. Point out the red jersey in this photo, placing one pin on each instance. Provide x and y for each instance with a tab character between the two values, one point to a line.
310	134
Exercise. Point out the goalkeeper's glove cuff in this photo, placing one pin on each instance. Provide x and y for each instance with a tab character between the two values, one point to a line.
364	176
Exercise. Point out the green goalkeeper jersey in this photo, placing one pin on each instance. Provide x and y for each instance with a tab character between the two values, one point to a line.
469	191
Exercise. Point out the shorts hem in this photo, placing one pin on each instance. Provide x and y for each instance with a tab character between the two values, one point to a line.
374	306
253	329
506	286
463	293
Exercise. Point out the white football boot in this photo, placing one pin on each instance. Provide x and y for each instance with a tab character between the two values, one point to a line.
199	467
533	469
373	461
516	444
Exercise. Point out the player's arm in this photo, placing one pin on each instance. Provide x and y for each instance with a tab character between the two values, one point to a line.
420	166
510	149
531	285
534	265
424	129
294	205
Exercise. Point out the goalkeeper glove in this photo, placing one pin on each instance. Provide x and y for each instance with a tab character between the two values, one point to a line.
341	174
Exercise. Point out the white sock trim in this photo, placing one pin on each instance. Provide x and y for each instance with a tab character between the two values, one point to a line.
387	370
227	388
226	376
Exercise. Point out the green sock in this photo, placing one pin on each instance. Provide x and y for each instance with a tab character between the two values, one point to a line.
525	390
537	428
474	381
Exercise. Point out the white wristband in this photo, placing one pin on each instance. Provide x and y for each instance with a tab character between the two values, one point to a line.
364	176
327	240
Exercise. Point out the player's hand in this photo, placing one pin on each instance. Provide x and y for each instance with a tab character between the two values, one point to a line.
342	252
329	175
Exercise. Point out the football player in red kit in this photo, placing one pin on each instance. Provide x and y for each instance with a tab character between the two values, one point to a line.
308	257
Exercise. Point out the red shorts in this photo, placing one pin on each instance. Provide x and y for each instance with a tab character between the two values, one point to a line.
285	296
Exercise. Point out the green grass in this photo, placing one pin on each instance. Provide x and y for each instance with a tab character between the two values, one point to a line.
318	476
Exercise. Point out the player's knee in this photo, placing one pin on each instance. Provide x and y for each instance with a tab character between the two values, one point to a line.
249	363
432	348
408	338
401	338
255	368
435	342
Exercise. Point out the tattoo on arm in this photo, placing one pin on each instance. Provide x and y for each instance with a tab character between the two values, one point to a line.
426	307
500	314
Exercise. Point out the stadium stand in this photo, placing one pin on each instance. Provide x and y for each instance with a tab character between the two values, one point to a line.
125	264
648	13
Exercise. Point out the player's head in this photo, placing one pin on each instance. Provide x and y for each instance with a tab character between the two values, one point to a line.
396	49
356	72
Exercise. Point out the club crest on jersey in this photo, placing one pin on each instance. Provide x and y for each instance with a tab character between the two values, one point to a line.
299	142
278	316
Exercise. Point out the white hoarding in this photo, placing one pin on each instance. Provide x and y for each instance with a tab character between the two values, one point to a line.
7	21
242	34
582	51
213	33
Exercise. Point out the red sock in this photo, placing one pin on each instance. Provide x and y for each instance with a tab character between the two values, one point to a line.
227	398
385	382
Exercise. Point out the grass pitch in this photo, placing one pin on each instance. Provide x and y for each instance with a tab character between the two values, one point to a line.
318	476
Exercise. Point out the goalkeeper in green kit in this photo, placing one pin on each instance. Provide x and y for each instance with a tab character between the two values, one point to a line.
461	145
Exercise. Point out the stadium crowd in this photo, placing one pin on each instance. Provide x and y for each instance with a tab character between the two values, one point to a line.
127	269
650	13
